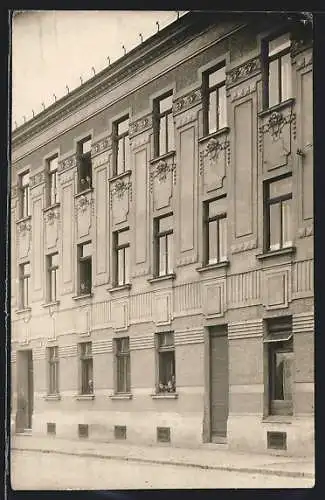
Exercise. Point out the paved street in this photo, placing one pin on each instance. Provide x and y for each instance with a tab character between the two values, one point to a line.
36	470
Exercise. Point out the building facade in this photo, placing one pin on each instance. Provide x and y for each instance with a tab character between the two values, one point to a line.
162	244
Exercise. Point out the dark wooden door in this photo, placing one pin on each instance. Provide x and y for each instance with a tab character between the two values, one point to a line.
25	390
219	382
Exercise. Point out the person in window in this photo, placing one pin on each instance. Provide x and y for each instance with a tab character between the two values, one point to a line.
171	385
21	408
90	386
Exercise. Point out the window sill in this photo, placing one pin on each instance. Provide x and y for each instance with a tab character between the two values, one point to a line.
277	107
118	396
50	304
163	157
52	397
23	310
85	191
171	276
127	286
82	296
221	131
115	177
165	395
277	419
51	207
274	253
85	397
218	265
24	219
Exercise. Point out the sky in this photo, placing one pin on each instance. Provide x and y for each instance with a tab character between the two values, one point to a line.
52	49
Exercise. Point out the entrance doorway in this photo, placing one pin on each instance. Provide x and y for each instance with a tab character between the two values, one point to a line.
25	390
219	383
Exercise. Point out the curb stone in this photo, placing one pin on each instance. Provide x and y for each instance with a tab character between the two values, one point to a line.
228	468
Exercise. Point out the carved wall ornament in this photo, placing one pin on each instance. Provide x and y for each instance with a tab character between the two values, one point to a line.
24	226
243	71
119	188
101	146
140	125
51	215
244	246
14	191
275	124
243	92
37	179
67	163
188	100
305	231
161	170
83	203
212	150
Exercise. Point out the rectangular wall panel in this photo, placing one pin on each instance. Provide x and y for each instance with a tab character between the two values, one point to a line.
140	226
187	182
37	235
101	221
307	141
243	164
67	240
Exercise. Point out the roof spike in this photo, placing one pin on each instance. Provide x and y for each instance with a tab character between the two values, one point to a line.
109	60
81	81
33	113
123	47
157	24
67	88
141	37
54	97
94	71
24	117
43	105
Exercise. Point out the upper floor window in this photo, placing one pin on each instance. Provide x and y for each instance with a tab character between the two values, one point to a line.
163	237
121	250
24	191
121	146
215	229
164	138
52	269
278	207
84	262
52	195
214	100
24	280
278	77
84	165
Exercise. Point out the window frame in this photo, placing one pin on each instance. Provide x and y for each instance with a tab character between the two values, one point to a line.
52	269
24	195
82	160
158	116
116	139
206	233
121	354
161	387
81	260
86	360
158	236
206	92
53	365
117	248
52	174
24	278
268	202
266	60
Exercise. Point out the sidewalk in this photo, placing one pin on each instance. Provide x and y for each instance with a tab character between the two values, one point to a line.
205	457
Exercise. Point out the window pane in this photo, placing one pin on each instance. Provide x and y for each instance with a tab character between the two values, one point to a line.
25	292
167	371
120	268
278	44
162	136
54	260
281	187
171	136
223	239
222	107
216	77
165	104
26	269
286	91
53	285
286	224
123	127
127	265
120	156
86	250
123	378
283	376
274	97
213	242
123	237
212	114
85	276
166	339
127	164
165	223
217	207
25	179
53	188
275	220
86	146
53	164
170	248
162	256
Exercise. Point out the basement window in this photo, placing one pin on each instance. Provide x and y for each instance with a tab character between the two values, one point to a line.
163	434
83	430
120	432
277	440
51	428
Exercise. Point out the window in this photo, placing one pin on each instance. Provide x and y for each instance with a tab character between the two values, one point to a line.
163	228
214	100
52	268
122	353
121	256
166	363
215	229
24	280
278	213
280	359
24	192
164	139
278	80
86	362
84	258
84	165
121	145
52	195
53	366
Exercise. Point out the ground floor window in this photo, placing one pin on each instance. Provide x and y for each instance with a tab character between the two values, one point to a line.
166	362
86	368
